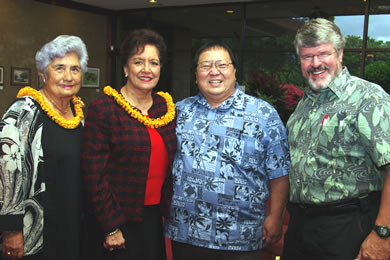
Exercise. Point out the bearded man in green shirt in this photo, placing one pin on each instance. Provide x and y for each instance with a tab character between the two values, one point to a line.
339	138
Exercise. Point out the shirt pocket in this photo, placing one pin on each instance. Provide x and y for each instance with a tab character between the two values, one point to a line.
338	134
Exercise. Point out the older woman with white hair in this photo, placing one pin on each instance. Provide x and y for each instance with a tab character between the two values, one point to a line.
40	182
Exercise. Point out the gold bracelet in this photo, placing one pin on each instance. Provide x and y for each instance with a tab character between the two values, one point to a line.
113	232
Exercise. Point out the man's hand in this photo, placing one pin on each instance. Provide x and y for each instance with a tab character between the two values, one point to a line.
272	229
12	245
374	248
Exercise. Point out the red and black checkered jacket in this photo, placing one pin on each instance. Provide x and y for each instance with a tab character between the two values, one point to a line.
115	160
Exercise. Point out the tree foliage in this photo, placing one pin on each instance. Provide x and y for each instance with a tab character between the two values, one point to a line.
270	63
379	72
284	97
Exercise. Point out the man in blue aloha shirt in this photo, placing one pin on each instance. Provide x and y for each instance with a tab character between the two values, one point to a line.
232	157
339	138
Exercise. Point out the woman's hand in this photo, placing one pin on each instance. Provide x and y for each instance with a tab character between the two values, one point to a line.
12	245
114	241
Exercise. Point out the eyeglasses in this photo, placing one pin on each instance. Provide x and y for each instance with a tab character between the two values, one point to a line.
221	65
322	56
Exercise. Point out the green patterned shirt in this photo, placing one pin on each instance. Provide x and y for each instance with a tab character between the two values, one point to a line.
338	140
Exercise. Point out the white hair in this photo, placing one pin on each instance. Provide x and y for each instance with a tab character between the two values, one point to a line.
58	48
318	31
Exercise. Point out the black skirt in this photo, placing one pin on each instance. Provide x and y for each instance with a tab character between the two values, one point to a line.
63	197
144	240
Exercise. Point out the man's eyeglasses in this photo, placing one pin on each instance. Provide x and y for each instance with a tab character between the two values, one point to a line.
322	56
221	65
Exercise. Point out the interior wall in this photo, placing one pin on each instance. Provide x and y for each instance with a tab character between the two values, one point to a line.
175	77
181	64
27	25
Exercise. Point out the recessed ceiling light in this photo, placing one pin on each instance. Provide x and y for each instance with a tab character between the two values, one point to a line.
153	1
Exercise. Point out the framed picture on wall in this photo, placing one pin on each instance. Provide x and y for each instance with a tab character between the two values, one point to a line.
20	76
1	75
91	77
39	82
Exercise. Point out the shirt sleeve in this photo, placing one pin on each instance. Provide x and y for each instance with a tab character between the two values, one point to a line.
94	159
277	154
11	177
373	125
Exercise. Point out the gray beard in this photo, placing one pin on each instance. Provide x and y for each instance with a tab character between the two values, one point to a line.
316	88
329	79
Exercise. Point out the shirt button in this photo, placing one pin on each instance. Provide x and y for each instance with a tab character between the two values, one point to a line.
315	110
308	132
302	155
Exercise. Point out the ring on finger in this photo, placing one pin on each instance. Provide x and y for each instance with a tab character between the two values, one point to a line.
111	249
8	253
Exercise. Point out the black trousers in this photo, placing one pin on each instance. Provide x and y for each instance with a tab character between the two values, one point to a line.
335	236
182	251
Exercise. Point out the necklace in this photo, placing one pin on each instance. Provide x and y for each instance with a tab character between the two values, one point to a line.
53	114
55	104
143	106
133	112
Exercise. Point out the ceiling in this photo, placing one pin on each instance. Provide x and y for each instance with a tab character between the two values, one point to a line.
262	8
137	4
293	7
208	18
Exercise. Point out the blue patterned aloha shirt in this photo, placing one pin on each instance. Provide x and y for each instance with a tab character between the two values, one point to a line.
338	140
225	159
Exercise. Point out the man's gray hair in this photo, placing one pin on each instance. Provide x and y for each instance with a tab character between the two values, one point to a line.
319	31
58	48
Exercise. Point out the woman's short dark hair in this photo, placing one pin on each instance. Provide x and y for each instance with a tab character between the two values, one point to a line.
136	40
211	45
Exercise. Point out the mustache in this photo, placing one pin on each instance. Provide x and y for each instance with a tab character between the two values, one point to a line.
322	67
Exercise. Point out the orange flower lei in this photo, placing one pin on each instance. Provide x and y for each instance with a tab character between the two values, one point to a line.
149	122
69	124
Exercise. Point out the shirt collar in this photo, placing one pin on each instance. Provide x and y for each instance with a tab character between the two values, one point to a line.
226	104
337	86
339	83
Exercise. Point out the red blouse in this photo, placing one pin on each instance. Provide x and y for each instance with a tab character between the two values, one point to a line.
158	166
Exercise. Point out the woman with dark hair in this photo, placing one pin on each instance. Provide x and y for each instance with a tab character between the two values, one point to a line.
40	181
128	146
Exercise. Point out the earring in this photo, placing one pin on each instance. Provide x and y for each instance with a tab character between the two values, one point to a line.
126	75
